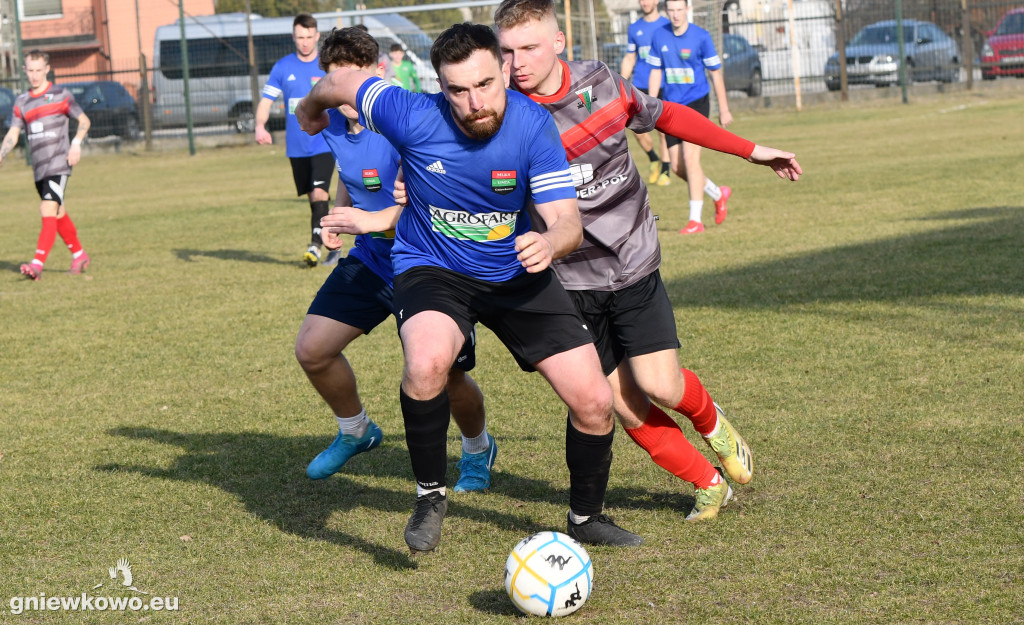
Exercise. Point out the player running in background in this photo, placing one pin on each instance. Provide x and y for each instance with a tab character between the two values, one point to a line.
403	69
474	157
679	55
312	164
635	67
613	277
43	112
357	296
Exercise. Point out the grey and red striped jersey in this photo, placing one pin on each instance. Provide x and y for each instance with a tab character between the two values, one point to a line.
44	118
592	109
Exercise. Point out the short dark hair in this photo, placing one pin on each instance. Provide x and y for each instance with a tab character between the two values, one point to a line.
512	13
395	47
305	20
457	43
37	54
362	27
349	46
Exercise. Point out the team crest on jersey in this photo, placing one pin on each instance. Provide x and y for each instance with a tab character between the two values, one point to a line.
466	226
684	53
313	80
586	96
503	182
371	180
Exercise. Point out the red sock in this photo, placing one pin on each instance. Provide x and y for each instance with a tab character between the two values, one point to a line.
46	238
66	230
697	405
661	437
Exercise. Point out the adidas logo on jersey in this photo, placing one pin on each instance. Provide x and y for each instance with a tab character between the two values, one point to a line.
291	77
436	167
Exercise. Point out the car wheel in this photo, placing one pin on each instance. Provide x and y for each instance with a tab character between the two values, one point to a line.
130	130
832	86
755	84
987	76
244	121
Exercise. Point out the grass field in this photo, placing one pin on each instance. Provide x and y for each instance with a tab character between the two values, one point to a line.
864	328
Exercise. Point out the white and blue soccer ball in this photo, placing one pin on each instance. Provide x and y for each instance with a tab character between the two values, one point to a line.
548	574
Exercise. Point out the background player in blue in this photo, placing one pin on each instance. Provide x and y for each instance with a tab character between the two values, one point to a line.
634	67
356	297
473	158
680	55
312	164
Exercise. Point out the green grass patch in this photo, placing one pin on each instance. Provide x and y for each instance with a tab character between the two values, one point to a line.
863	328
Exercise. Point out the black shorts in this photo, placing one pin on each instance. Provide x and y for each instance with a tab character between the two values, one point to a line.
313	172
633	321
51	188
531	314
354	295
702	106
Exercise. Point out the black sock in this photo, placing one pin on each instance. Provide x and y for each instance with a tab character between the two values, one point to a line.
589	458
652	155
426	435
318	211
664	167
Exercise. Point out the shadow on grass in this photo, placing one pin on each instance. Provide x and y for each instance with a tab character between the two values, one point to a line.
979	258
267	474
494	602
247	256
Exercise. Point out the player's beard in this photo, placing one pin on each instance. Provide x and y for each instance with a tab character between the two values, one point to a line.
485	130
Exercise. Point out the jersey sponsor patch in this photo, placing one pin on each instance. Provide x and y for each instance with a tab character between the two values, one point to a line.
503	182
292	103
371	180
679	75
478	227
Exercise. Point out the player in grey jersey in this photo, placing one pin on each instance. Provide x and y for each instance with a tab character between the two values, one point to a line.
613	277
44	112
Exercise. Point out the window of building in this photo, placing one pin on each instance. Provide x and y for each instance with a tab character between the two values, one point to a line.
35	9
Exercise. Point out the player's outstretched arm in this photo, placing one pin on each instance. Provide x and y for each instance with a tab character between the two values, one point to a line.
564	234
336	88
351	220
10	140
782	163
263	136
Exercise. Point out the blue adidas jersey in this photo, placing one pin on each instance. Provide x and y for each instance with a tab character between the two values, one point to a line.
468	198
292	79
367	166
682	60
640	34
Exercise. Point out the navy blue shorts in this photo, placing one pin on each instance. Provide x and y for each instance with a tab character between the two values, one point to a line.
354	295
633	321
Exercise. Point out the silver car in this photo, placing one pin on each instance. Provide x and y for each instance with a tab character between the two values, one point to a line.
872	56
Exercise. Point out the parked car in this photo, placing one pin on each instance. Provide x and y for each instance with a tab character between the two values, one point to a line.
741	65
6	107
872	56
111	109
1003	53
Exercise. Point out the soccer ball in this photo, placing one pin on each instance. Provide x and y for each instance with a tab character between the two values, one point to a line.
548	574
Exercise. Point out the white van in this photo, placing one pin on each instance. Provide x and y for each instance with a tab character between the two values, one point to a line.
218	62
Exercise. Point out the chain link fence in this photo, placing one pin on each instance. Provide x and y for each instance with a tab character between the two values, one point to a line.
768	47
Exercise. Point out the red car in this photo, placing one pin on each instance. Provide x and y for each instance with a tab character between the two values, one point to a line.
1003	54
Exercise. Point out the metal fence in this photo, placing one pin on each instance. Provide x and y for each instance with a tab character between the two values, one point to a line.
769	47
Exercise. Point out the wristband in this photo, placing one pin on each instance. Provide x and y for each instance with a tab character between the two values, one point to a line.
76	141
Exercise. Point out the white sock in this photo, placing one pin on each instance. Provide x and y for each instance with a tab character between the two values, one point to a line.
696	208
712	190
420	491
577	519
354	426
78	253
477	444
714	430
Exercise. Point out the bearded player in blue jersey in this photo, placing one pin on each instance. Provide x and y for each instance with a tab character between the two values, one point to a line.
357	296
474	158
